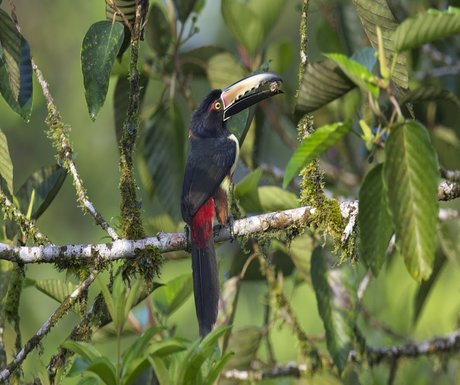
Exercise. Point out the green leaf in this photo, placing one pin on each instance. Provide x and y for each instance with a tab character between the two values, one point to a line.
313	146
244	343
6	166
426	27
121	99
160	369
128	7
84	349
195	61
15	68
109	302
55	288
216	368
373	13
166	347
280	55
104	369
168	298
184	8
139	346
428	93
425	286
157	30
274	198
163	150
322	83
43	186
251	21
365	56
375	225
357	73
246	191
99	50
224	70
411	177
336	298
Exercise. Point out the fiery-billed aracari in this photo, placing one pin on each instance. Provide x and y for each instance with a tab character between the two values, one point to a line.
210	164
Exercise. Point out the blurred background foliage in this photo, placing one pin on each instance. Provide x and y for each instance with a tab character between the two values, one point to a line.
217	51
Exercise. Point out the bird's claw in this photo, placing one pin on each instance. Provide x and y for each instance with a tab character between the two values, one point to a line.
188	242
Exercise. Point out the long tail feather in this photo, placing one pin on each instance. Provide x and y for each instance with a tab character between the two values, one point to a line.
205	286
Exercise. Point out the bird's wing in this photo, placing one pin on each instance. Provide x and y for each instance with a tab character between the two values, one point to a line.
208	164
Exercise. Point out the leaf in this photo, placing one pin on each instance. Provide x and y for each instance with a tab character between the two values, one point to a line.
251	21
356	72
244	343
373	13
224	70
274	198
195	61
121	98
99	50
139	346
336	298
428	93
216	368
365	56
54	288
246	191
84	349
425	286
6	166
15	68
43	185
426	27
280	55
184	8
313	146
411	176
168	298
375	225
104	369
322	83
163	150
157	31
160	369
128	7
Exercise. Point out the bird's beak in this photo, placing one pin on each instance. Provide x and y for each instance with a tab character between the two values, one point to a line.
248	91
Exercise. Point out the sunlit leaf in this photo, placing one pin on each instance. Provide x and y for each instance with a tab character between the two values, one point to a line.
251	21
99	50
43	185
6	166
15	68
168	298
375	225
322	83
313	146
373	13
427	27
86	350
160	369
335	290
357	73
157	31
411	177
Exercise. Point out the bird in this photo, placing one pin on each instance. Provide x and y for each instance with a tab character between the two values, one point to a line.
212	158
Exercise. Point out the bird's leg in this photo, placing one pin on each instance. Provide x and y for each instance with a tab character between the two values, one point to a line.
188	232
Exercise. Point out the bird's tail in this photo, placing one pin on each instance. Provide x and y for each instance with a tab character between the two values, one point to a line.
205	285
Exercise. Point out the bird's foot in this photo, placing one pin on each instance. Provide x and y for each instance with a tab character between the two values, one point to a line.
188	232
231	222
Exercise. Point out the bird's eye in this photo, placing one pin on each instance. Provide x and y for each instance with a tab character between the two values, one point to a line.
217	106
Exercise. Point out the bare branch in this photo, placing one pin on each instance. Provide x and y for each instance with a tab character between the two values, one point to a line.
448	191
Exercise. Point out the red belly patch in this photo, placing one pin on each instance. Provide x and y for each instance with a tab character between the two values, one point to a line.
202	224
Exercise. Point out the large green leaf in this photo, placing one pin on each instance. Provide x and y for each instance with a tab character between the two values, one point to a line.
168	298
15	68
411	176
6	166
42	186
157	31
163	150
429	93
128	7
56	289
223	70
313	146
377	13
335	290
322	83
251	21
427	27
375	226
104	369
356	72
99	50
196	60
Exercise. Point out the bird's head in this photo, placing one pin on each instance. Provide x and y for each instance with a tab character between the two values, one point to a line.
209	118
